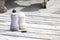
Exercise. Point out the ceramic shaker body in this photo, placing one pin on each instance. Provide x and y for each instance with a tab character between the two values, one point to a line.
22	21
14	22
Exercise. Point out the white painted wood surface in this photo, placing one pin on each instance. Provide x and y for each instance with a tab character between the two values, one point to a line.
42	24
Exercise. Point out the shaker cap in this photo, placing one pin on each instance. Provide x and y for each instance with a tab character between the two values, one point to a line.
13	10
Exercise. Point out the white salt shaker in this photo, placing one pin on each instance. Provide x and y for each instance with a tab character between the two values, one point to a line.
14	21
22	22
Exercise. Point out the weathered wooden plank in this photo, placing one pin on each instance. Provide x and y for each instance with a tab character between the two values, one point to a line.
30	35
41	26
15	38
4	15
34	25
37	29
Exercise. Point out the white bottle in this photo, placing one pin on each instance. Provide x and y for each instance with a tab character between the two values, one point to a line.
14	21
22	22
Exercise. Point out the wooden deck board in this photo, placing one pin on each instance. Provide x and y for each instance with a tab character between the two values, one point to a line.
42	24
35	31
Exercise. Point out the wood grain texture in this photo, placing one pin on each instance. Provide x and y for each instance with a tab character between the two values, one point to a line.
42	24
